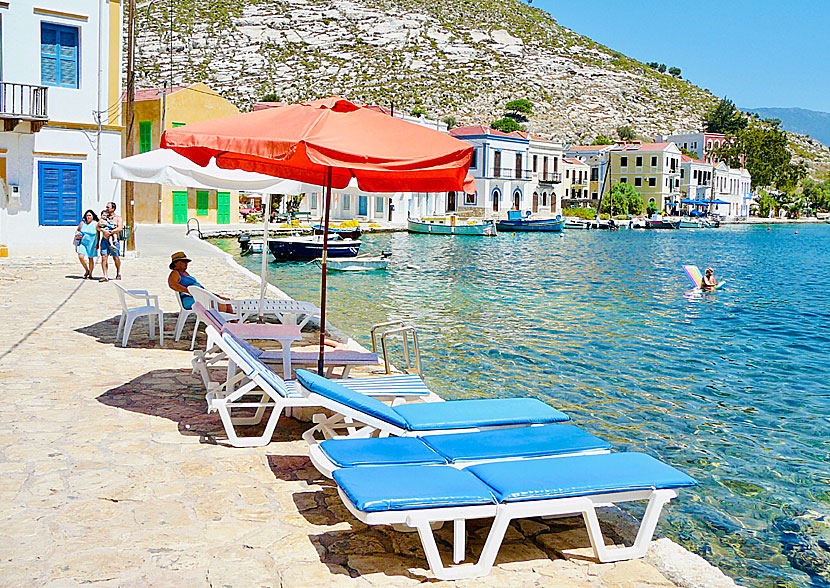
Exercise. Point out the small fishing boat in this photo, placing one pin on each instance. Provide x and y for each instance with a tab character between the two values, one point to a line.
515	223
658	222
695	223
573	222
311	247
248	246
344	232
453	225
361	263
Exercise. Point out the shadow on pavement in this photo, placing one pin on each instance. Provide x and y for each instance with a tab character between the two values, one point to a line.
104	332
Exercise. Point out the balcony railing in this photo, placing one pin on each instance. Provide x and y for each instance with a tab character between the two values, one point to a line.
550	178
509	173
20	102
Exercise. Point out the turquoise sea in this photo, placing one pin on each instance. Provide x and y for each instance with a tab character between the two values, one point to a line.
732	387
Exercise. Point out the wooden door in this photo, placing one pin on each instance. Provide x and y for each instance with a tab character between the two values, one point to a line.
223	208
179	207
535	202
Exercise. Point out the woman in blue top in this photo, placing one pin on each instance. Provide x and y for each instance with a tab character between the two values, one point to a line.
86	242
179	281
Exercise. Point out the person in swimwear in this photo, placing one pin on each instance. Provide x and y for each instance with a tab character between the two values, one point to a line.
708	283
179	281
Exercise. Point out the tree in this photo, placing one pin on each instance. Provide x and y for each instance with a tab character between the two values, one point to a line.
762	150
417	112
519	109
602	140
450	122
625	198
724	117
506	125
688	153
270	98
625	133
653	64
661	68
675	71
817	194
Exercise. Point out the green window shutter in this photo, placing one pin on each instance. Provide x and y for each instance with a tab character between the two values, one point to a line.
177	124
201	203
145	128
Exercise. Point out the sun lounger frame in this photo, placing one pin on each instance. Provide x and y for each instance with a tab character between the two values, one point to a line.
503	514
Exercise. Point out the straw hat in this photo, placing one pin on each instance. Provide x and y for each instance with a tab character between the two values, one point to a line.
178	256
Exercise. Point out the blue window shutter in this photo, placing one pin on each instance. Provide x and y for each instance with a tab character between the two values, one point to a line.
69	57
58	55
59	193
48	55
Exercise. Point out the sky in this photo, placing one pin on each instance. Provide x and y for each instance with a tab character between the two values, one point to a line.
764	53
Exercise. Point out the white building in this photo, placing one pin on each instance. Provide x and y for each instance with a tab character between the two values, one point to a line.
700	143
546	185
60	66
575	183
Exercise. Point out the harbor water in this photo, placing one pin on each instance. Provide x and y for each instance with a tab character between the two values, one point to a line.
732	387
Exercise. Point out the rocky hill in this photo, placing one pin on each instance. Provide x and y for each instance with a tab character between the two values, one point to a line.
459	58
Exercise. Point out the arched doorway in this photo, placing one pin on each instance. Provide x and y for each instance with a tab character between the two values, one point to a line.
536	202
496	198
517	199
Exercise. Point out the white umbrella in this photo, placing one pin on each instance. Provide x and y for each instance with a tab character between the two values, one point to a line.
166	167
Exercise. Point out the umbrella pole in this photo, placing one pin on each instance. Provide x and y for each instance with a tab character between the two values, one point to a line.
320	362
263	272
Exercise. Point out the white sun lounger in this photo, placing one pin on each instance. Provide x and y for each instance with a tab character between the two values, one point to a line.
418	496
367	417
269	390
459	450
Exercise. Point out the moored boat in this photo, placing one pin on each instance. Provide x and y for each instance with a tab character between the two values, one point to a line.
310	248
576	223
658	222
694	223
515	223
343	232
361	263
453	225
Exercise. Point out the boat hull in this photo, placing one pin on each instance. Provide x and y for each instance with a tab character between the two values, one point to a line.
546	226
662	224
310	248
446	227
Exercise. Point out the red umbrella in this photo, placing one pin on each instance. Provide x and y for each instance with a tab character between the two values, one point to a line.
328	142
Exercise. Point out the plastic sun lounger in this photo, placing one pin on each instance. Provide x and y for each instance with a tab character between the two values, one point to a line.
269	390
459	450
419	495
212	354
367	415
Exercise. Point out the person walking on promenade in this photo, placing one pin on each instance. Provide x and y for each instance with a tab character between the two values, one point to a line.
179	281
110	227
86	242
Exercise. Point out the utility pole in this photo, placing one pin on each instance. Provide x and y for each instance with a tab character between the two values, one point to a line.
129	116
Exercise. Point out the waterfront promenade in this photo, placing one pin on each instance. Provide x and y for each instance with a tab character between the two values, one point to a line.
113	474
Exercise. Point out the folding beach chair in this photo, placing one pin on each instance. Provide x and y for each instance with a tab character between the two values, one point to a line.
420	495
367	417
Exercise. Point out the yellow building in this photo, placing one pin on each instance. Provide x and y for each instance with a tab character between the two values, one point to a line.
157	111
652	168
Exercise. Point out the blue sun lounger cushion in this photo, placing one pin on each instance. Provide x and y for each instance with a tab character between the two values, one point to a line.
512	443
408	487
429	416
580	475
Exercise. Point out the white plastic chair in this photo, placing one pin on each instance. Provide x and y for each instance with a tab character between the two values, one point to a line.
184	314
128	314
210	302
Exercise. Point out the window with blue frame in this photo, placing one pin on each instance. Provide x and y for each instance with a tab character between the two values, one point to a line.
59	193
58	55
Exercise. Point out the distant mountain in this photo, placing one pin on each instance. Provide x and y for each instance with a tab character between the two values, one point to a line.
799	120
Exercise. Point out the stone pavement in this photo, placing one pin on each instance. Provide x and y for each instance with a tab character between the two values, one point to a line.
112	473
